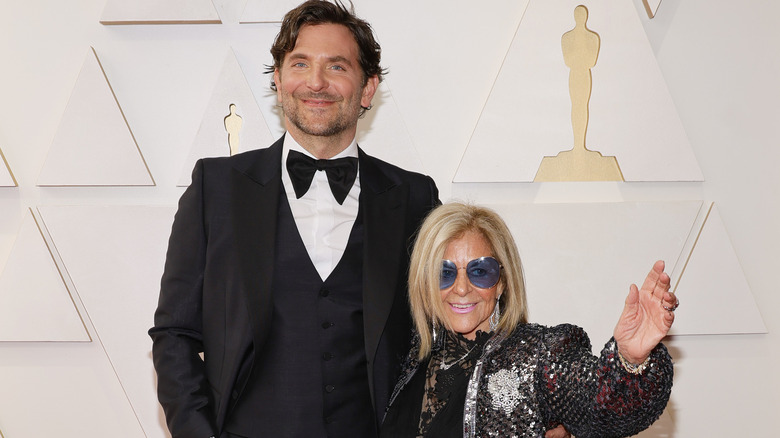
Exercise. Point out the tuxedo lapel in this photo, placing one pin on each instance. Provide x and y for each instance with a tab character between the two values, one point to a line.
255	187
384	204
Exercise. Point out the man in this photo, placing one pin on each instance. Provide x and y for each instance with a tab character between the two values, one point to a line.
294	296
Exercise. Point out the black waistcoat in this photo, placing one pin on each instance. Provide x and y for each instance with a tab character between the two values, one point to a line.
311	378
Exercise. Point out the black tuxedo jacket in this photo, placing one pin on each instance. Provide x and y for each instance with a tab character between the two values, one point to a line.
215	296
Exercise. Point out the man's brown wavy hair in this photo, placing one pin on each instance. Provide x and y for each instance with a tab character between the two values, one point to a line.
313	12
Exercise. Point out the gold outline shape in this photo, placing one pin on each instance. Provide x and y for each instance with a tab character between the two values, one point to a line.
649	9
152	21
580	47
693	247
13	178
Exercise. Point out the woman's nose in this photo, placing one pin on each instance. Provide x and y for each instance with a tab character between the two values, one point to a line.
462	284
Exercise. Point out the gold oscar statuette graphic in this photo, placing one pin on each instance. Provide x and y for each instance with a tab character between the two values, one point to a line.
233	123
580	51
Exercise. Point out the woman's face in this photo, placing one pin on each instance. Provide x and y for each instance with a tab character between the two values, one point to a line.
467	308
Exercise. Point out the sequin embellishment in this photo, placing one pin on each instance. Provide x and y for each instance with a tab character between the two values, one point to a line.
503	388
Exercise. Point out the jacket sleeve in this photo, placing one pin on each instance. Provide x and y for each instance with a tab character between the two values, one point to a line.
595	396
434	193
182	386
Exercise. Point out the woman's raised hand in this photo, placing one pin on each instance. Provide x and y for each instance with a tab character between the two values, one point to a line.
647	316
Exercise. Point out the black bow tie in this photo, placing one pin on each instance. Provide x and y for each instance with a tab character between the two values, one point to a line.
341	173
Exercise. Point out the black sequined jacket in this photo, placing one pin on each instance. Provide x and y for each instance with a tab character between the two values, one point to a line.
541	376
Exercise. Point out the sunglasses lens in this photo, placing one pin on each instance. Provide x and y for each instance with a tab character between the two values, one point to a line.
449	272
484	272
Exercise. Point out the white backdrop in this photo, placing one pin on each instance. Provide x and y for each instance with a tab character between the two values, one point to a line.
719	59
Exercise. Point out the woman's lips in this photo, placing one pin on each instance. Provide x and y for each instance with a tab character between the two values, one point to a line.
462	308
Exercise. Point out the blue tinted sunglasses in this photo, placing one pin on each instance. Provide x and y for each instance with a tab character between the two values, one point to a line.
483	272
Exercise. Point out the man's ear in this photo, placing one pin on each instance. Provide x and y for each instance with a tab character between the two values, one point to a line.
368	91
277	84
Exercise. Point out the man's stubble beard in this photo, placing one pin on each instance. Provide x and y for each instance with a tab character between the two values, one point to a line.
343	120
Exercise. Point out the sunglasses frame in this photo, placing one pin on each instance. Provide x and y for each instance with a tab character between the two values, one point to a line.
469	266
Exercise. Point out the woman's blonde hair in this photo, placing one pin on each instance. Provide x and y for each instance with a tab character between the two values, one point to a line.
443	225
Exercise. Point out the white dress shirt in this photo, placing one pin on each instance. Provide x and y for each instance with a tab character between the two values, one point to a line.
323	223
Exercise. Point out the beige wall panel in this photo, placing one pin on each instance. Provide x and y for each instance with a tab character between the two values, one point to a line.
266	11
383	134
35	304
528	113
159	12
713	287
93	145
715	391
115	257
62	390
212	138
587	255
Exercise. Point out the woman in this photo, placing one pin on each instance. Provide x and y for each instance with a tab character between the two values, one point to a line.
478	368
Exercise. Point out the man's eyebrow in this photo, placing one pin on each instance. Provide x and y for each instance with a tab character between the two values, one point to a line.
339	58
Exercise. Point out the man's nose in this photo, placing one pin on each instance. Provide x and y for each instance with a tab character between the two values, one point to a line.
316	79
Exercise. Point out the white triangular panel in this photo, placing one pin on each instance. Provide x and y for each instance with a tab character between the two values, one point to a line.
580	259
93	145
383	134
212	138
267	11
714	294
6	176
527	115
115	256
35	304
651	7
74	391
159	12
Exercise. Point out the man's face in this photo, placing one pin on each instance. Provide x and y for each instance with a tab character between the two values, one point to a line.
320	83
